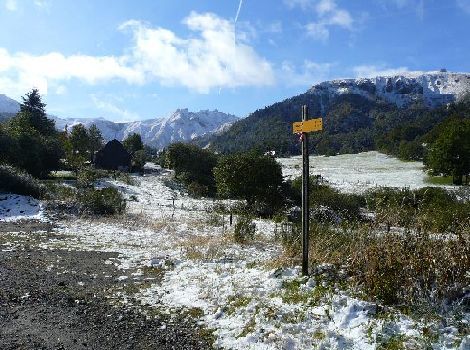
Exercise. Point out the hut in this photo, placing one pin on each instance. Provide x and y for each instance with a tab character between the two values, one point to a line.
113	156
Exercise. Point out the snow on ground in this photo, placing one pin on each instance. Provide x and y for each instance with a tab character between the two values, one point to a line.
359	172
15	207
247	301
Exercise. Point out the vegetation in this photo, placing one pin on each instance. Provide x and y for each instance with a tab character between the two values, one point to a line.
414	252
193	166
29	141
449	154
16	181
134	145
104	201
255	178
244	230
343	206
81	145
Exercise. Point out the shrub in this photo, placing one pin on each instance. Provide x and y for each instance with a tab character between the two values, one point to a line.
104	201
19	182
346	206
192	165
245	230
430	209
395	268
255	178
87	177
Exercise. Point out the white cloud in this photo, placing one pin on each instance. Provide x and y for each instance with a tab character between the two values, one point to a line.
61	90
416	6
328	15
209	58
110	107
304	4
372	71
11	5
464	5
21	71
310	73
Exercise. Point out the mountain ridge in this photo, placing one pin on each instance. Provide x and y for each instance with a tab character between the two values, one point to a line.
354	112
181	125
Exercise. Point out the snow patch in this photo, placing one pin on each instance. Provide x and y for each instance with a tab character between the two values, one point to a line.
14	207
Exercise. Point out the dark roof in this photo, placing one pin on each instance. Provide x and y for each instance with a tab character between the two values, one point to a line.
113	156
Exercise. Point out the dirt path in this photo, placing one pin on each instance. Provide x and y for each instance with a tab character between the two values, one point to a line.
58	299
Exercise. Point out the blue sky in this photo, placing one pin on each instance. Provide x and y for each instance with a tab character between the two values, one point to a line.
131	60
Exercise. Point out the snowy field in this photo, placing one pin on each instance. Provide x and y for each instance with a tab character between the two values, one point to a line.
244	293
359	172
245	297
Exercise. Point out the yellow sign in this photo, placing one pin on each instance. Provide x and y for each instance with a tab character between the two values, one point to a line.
308	125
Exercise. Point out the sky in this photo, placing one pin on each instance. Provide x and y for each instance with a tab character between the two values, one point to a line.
131	60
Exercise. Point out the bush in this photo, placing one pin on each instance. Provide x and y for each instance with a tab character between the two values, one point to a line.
245	230
104	201
395	268
19	182
430	209
255	178
193	166
323	197
87	177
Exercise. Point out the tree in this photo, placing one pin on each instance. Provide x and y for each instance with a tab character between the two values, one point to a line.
31	141
95	140
78	147
138	160
133	143
193	166
33	110
255	178
449	154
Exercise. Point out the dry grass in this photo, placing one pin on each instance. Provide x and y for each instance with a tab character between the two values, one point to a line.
397	268
205	247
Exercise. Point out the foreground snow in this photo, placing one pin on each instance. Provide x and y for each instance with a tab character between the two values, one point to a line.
245	299
14	207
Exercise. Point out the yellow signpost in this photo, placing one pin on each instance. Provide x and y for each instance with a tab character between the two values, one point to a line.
308	125
304	127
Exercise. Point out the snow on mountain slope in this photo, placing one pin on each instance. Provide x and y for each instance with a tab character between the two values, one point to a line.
433	88
8	105
182	125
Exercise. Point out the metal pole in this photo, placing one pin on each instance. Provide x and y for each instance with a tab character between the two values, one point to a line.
305	195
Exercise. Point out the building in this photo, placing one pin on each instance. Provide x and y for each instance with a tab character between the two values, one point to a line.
113	156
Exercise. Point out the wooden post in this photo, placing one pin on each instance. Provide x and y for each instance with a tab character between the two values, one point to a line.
305	195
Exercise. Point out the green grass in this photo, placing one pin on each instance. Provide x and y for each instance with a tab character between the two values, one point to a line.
235	302
438	180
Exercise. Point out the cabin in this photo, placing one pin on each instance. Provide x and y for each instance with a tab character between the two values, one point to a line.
113	156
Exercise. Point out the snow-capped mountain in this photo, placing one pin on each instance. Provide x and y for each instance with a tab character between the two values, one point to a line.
8	105
182	125
433	88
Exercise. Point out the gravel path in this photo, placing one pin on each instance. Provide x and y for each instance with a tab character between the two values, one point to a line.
58	299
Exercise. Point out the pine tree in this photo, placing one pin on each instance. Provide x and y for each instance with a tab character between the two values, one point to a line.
32	110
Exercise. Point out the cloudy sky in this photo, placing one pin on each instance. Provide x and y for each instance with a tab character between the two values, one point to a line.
130	60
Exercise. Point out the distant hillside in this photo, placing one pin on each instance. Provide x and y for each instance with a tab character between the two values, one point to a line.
8	105
356	112
182	125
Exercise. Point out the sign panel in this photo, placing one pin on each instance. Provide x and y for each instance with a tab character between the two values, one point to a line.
308	125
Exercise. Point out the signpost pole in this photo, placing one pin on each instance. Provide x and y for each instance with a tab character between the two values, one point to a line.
305	195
